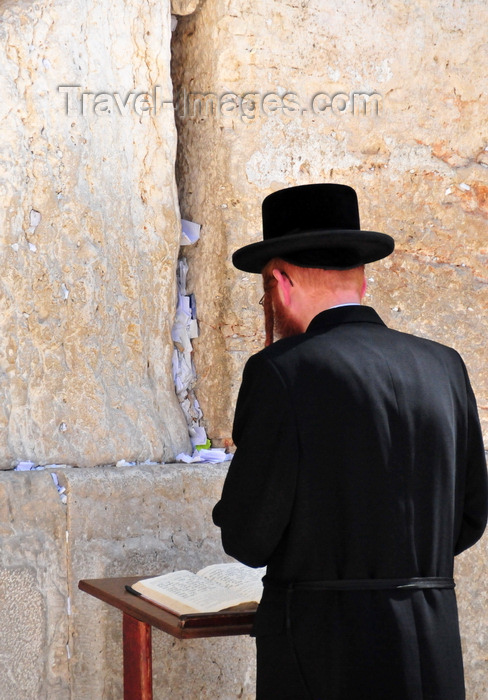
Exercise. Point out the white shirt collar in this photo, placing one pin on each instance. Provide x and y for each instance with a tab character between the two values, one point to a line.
351	303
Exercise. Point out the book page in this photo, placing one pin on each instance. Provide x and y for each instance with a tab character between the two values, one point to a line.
197	594
247	582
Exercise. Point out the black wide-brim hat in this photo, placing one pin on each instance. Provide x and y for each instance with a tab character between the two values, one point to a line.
314	226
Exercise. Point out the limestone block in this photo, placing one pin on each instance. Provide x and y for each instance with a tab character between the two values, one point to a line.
184	7
471	573
33	589
89	233
383	96
137	521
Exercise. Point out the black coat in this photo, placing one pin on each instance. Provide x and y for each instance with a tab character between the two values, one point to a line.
359	456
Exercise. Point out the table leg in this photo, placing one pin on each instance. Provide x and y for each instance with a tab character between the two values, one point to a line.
137	659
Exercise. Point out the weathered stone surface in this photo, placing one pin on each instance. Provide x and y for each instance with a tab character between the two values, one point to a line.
89	233
419	165
117	521
472	595
33	589
184	7
136	521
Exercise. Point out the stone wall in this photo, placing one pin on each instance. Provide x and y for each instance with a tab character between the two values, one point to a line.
384	96
89	233
472	596
414	144
58	642
419	165
33	588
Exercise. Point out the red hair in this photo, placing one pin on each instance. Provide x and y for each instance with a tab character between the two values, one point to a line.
313	279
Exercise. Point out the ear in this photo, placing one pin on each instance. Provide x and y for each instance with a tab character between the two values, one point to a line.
364	287
284	287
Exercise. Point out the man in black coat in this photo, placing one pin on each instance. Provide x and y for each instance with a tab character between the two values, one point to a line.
359	472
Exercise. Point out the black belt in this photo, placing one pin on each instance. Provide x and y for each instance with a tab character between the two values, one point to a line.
367	584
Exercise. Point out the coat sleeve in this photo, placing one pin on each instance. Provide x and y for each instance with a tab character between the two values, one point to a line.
258	492
475	506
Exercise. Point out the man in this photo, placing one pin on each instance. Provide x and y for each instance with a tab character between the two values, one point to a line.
359	472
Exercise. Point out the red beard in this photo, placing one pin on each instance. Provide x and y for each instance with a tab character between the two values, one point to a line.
283	324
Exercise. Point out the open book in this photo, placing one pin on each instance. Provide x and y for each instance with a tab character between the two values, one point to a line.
215	588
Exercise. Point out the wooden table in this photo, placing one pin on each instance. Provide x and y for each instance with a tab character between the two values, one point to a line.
139	616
